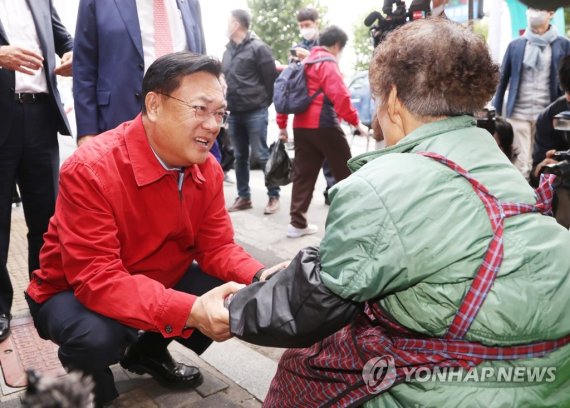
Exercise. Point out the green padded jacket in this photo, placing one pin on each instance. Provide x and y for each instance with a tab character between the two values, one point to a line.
413	232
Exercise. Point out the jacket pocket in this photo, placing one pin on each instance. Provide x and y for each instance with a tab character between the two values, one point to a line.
103	98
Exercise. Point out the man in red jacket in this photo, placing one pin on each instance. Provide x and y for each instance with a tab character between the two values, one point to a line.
139	208
317	132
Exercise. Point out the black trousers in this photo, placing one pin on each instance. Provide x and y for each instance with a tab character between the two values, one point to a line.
29	155
91	342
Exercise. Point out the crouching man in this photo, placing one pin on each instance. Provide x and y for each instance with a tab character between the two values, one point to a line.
141	239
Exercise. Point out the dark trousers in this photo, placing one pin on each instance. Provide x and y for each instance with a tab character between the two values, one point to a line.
329	178
312	147
91	342
248	131
29	155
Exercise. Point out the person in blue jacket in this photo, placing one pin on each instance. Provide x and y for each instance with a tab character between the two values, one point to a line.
115	43
529	71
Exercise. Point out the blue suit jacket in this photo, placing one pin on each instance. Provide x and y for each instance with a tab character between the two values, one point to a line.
512	67
54	38
108	62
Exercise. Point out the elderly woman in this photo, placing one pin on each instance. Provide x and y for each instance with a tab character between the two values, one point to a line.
457	287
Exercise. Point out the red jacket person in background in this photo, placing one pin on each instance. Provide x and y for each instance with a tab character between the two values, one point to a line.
317	132
137	206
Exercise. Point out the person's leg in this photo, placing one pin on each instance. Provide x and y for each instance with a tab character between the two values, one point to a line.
333	145
257	122
522	144
38	175
195	282
150	355
240	142
327	172
308	161
329	178
11	146
87	341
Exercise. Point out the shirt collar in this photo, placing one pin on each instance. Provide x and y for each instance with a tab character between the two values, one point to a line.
147	166
166	166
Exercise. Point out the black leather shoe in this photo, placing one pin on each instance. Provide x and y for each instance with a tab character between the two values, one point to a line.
5	326
163	369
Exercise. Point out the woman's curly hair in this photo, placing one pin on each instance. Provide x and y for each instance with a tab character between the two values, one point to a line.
438	67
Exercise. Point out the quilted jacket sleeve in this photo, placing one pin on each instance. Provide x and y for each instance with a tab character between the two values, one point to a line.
362	254
291	309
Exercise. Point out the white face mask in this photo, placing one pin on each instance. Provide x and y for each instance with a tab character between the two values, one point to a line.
230	30
308	33
229	33
537	18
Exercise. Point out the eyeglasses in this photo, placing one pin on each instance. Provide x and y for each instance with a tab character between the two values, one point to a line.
201	112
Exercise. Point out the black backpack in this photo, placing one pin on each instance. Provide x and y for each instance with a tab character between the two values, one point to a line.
290	93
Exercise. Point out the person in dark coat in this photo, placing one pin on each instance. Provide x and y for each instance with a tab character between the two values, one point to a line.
31	115
249	69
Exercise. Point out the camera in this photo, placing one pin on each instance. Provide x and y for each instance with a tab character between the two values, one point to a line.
561	169
486	119
562	122
395	15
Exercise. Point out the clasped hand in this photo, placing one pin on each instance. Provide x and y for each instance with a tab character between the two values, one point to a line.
209	315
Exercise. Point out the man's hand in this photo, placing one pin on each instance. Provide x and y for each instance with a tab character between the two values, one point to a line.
209	314
65	68
20	59
275	268
361	130
283	135
301	53
545	162
84	139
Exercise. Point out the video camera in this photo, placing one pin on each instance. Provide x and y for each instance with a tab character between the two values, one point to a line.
381	25
561	203
562	168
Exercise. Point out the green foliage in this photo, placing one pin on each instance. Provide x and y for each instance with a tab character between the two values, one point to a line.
363	47
275	22
481	27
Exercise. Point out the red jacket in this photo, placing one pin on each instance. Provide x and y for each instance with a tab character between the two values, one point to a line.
331	104
123	235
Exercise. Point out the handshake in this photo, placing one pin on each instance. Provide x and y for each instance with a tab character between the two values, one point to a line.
210	314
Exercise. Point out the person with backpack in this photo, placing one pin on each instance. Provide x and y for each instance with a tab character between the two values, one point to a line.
308	23
316	128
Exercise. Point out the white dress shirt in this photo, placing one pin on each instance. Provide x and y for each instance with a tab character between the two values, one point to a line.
20	29
146	24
